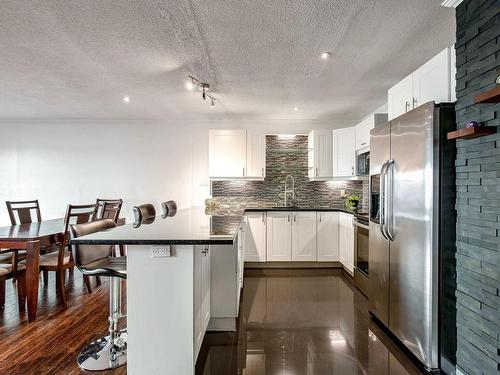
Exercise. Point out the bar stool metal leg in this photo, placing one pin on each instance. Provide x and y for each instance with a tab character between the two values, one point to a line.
108	352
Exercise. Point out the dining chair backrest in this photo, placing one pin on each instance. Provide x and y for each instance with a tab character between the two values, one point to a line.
23	212
78	214
144	214
85	254
108	209
169	208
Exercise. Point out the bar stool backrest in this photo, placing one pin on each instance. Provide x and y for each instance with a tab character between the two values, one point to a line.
169	208
144	214
86	254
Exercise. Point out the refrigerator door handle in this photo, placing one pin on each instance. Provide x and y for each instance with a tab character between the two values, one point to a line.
382	200
388	211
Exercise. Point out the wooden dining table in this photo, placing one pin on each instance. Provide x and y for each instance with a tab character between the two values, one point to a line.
31	237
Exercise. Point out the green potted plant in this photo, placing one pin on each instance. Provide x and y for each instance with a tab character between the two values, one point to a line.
352	202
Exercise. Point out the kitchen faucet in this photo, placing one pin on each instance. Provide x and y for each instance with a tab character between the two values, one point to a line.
289	191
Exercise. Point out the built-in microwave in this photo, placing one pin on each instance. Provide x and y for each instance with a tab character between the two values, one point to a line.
363	163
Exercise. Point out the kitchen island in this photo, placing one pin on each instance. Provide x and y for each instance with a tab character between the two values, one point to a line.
184	276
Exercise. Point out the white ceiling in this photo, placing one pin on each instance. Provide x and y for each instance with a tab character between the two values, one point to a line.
73	59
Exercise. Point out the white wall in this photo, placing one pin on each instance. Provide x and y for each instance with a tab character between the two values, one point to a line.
61	162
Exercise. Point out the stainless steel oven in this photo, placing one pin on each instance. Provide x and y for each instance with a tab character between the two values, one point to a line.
361	252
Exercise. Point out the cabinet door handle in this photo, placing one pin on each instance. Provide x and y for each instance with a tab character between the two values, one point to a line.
317	173
262	172
263	217
407	106
288	217
364	143
294	217
414	102
352	171
320	217
243	171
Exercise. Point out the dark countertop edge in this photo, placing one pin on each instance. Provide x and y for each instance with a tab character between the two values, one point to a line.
321	209
212	241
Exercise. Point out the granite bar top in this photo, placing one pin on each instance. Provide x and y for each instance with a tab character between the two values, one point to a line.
190	226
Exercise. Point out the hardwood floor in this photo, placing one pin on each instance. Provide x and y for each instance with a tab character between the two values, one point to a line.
51	344
297	322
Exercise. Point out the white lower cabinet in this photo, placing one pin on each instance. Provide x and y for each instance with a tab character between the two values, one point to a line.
299	236
346	241
255	237
201	295
327	236
304	236
279	237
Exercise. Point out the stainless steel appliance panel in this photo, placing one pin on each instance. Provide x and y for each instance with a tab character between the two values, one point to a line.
413	261
378	294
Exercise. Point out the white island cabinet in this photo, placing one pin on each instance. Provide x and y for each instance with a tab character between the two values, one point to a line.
174	298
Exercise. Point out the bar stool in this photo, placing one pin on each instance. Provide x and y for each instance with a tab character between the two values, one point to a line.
169	208
107	352
144	214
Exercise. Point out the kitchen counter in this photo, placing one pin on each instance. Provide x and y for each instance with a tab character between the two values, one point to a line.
190	226
318	209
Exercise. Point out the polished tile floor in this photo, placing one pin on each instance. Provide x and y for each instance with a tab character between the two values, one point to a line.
302	324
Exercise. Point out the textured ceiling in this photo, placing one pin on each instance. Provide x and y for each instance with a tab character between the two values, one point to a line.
77	59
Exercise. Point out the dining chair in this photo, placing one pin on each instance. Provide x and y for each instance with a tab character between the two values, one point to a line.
24	212
62	260
108	209
6	272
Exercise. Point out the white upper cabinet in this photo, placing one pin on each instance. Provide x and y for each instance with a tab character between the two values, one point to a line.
227	153
320	154
400	98
255	237
433	81
364	127
304	236
327	236
256	155
344	152
279	236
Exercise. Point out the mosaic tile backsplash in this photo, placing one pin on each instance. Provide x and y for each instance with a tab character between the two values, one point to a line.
284	156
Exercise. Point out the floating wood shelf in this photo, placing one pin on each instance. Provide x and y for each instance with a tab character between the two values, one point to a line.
490	96
469	133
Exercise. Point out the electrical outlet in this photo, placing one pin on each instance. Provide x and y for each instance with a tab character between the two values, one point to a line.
342	193
161	252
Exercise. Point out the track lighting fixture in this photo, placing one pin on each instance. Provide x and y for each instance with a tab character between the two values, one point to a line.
192	82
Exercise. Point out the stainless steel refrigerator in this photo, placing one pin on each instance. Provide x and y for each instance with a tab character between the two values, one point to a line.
412	232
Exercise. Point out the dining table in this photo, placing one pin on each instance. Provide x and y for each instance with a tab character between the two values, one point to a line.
31	237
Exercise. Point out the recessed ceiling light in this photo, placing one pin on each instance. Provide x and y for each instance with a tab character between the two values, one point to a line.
295	108
126	99
325	55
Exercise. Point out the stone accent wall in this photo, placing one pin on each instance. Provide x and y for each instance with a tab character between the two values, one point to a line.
478	191
285	155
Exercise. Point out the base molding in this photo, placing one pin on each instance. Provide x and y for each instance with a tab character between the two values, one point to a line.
222	325
293	265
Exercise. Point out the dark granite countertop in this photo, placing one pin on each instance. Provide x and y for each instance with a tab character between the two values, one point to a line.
190	226
319	209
